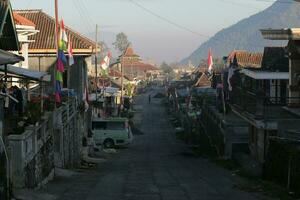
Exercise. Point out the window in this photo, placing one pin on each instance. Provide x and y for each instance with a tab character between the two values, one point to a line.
116	125
99	125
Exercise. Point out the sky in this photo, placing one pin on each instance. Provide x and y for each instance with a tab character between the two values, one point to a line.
159	30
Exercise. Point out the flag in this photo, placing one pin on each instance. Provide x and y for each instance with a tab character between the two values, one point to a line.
59	76
70	53
63	34
62	56
210	62
61	59
105	62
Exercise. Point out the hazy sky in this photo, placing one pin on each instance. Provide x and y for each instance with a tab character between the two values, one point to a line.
152	37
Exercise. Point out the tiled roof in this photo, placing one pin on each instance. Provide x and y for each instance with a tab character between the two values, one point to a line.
129	52
115	73
246	59
45	39
20	20
141	66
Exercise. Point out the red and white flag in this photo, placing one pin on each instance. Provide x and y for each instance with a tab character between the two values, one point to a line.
210	62
106	61
63	34
70	52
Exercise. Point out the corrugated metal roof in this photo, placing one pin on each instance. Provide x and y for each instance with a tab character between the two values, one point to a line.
9	58
45	39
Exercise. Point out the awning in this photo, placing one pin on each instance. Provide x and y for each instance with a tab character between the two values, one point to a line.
265	75
9	58
26	73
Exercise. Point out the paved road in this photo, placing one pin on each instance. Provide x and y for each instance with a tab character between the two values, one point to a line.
155	167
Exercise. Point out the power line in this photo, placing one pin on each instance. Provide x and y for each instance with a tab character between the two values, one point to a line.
167	20
180	26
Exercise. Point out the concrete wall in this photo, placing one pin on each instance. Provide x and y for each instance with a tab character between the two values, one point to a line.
78	71
68	133
294	74
31	155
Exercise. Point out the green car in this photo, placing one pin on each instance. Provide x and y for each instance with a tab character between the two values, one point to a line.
111	132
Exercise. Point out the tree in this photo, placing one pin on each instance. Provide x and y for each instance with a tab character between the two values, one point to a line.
166	68
121	42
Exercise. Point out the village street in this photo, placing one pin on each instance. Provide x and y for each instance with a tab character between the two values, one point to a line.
156	167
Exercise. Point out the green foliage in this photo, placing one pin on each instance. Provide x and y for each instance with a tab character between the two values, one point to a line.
121	42
166	68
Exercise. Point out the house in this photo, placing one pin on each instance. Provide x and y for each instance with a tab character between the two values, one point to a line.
292	35
132	65
42	52
283	149
258	95
55	139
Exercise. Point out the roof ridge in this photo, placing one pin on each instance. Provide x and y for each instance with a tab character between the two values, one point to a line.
27	10
51	19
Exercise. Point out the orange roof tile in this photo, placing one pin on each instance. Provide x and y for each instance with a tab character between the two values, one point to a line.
20	20
141	66
246	59
45	39
129	52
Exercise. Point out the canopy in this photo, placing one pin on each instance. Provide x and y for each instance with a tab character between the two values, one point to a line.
26	73
9	58
265	75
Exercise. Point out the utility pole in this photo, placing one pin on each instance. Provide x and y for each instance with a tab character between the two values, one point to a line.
57	40
122	84
96	61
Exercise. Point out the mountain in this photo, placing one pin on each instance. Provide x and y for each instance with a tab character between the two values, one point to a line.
246	35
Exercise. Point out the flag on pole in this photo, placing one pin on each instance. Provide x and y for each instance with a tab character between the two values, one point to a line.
70	53
61	59
210	62
63	34
105	63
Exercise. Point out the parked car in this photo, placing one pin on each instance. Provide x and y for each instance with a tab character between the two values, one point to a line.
111	132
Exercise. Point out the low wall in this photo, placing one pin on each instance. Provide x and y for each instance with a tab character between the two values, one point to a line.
31	154
55	142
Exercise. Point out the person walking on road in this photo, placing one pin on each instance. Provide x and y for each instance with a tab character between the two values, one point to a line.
149	98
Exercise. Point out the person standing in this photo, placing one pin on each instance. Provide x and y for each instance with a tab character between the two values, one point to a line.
149	98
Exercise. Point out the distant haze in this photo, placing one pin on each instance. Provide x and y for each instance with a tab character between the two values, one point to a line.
151	37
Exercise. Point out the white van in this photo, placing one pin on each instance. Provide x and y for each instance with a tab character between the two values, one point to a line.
111	132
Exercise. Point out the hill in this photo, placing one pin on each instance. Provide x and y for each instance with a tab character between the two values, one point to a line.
246	35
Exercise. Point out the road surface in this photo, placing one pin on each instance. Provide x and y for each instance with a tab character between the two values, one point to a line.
155	167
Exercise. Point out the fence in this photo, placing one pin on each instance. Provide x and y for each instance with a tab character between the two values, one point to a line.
258	104
68	132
